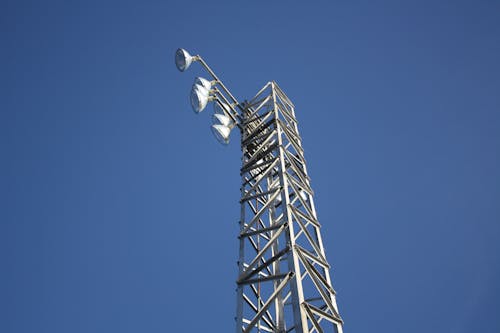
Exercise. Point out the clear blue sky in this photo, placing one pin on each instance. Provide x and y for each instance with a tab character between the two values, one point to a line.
119	210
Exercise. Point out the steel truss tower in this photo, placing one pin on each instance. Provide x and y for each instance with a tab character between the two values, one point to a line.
283	282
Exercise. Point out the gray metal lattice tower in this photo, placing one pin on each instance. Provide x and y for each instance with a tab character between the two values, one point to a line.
283	282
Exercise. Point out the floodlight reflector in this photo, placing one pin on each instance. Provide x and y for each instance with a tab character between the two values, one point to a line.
183	59
203	82
221	119
221	133
199	98
201	88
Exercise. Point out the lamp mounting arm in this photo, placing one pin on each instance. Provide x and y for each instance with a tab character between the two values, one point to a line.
219	82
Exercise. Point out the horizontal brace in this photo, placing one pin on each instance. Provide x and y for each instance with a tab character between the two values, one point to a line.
285	113
300	183
256	166
283	96
313	242
311	256
278	255
262	234
251	127
318	283
311	318
268	302
322	279
264	153
257	138
249	122
261	91
249	272
258	149
291	139
309	300
260	231
251	106
264	279
296	168
255	110
308	218
259	213
291	128
315	274
255	196
262	175
299	159
258	130
252	164
267	320
299	197
262	327
324	314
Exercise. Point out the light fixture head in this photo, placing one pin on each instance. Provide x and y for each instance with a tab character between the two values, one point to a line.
203	82
221	133
199	98
201	88
221	119
183	59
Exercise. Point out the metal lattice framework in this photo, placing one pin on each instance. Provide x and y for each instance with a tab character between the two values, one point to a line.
283	280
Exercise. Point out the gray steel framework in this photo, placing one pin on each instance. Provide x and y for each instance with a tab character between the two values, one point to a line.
283	282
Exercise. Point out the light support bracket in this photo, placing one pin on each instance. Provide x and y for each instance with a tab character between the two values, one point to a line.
183	60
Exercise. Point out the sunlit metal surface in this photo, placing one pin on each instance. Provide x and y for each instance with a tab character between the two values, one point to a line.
221	119
221	133
183	59
283	282
199	98
203	82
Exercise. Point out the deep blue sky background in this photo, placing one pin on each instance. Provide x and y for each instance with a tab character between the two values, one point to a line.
119	209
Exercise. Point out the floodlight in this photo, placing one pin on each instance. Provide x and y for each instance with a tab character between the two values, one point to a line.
201	88
221	119
199	98
183	59
203	82
221	133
